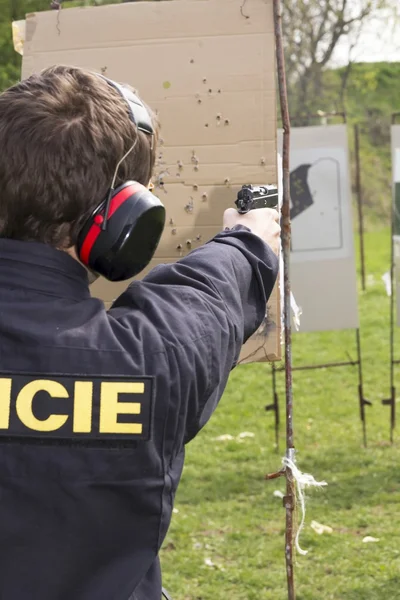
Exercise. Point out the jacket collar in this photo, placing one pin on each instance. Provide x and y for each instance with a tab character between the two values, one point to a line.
38	267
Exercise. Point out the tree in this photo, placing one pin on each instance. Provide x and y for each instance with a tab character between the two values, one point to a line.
312	30
10	64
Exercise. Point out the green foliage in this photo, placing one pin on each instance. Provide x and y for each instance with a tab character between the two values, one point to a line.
372	95
368	93
373	87
10	61
227	511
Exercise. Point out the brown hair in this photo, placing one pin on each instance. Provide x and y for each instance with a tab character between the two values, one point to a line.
62	133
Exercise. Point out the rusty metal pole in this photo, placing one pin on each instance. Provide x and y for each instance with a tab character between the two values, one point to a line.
359	203
289	500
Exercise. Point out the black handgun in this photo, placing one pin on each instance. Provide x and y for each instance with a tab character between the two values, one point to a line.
261	196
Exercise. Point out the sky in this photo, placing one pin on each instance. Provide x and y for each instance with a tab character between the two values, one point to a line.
379	41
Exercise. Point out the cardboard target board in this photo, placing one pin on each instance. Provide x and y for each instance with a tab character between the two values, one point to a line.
323	269
396	211
208	68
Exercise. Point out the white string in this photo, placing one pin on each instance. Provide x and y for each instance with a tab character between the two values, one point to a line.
302	480
121	161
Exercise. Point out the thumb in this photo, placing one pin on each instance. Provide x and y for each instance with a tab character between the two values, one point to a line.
230	217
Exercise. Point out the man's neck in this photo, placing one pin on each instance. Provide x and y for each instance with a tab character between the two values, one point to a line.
92	276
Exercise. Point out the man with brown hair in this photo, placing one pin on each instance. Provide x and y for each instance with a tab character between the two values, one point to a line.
96	407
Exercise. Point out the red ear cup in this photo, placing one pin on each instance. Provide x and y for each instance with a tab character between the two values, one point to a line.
135	223
94	230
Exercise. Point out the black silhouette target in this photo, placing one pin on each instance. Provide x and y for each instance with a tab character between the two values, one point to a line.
303	199
300	192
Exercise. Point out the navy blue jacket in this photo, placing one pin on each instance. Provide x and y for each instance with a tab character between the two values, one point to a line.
83	515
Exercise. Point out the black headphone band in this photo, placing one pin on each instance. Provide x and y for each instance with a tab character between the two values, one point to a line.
138	112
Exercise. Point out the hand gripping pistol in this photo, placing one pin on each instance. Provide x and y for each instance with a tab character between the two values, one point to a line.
261	196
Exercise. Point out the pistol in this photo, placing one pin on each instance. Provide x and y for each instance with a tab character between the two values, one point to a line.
260	196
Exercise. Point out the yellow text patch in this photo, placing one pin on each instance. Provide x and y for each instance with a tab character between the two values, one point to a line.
76	407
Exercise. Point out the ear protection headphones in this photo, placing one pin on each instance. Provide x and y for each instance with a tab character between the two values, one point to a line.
119	239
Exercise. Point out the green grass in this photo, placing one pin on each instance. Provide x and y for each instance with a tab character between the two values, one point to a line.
227	511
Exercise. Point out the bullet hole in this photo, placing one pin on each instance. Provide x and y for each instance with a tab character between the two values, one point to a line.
227	122
180	164
178	174
191	61
219	91
173	231
204	80
171	222
189	244
196	168
206	125
210	91
195	187
159	178
194	158
189	206
179	247
227	181
204	196
159	182
161	141
263	161
198	237
103	70
199	101
219	116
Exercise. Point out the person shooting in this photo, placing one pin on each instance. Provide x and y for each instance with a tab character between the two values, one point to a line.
97	406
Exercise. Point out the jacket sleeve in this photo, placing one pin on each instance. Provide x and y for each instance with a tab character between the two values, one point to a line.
208	304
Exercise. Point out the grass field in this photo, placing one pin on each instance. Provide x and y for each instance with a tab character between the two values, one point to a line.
227	538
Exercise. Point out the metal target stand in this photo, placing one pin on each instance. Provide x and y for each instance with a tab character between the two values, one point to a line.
391	401
363	401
